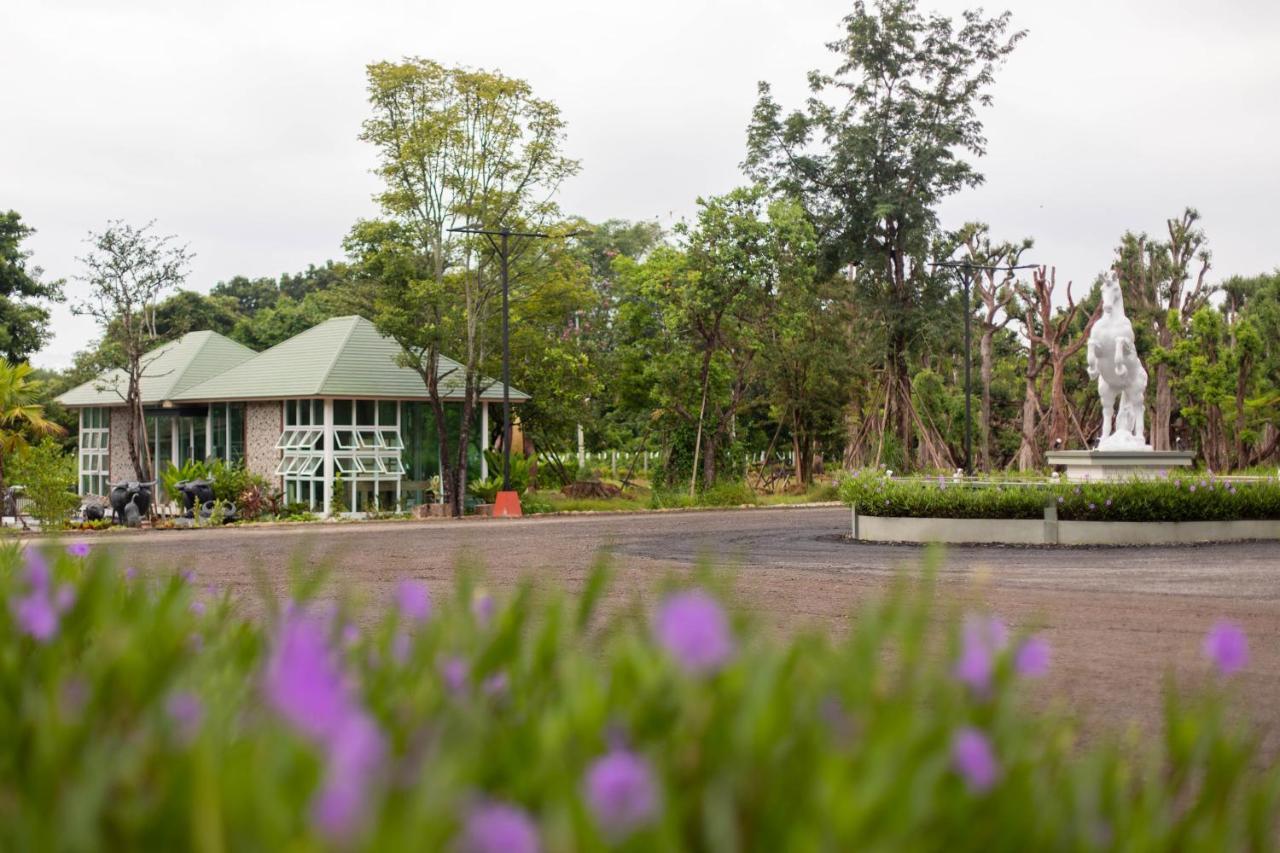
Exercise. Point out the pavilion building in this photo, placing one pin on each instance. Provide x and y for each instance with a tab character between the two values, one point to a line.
333	408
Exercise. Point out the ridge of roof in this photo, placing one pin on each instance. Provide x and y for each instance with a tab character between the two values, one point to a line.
355	320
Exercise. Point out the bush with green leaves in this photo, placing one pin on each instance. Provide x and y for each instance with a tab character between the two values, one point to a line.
144	712
1178	496
47	475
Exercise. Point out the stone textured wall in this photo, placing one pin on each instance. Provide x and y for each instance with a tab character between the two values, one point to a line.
263	423
120	465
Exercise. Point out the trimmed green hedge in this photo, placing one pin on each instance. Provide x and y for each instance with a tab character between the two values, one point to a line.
1177	497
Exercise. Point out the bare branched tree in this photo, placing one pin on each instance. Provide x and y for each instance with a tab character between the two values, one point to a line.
127	270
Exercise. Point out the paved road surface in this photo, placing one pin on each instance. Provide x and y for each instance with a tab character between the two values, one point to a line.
1119	619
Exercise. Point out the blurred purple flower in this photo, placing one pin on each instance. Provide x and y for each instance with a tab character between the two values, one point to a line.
65	598
302	680
455	672
1077	490
414	600
130	573
499	828
78	549
1032	657
36	616
1092	505
1227	646
1108	501
981	639
482	607
622	793
693	628
350	635
1193	487
186	712
973	758
496	685
401	644
197	607
187	575
1061	499
36	572
355	754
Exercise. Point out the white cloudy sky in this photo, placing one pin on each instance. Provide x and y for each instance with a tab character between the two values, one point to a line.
234	123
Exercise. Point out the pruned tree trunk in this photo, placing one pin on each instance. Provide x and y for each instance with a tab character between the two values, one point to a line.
985	349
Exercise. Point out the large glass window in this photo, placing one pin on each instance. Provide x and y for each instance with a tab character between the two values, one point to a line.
420	451
95	450
366	454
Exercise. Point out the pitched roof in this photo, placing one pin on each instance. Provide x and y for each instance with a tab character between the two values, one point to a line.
168	370
341	357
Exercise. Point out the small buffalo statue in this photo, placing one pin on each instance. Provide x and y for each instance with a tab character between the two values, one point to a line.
94	512
130	502
229	512
194	492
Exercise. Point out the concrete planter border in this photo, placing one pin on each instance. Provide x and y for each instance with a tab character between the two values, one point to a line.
1051	531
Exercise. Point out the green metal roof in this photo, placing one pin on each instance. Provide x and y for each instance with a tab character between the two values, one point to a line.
168	370
342	357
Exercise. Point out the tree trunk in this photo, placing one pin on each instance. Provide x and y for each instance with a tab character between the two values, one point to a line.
1163	415
985	348
1028	451
1059	416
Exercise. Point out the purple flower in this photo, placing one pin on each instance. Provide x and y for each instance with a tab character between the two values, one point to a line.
350	635
621	792
693	628
1227	646
982	638
499	828
455	671
37	570
401	644
1193	487
1077	490
302	680
186	712
496	685
197	607
1092	505
414	600
482	607
1032	657
78	549
1061	499
36	615
130	573
355	754
1108	501
973	758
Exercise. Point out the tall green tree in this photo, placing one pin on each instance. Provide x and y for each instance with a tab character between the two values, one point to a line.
881	142
455	147
24	294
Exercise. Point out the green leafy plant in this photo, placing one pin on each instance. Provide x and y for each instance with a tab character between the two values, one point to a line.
47	475
294	729
485	490
1181	496
519	470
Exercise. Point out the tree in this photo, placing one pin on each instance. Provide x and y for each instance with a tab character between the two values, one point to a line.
127	270
1057	332
878	146
20	415
24	320
1157	281
996	297
454	147
47	474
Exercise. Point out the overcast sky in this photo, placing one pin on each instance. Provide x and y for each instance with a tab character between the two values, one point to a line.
234	124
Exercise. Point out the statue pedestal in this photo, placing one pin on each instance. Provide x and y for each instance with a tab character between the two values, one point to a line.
1098	465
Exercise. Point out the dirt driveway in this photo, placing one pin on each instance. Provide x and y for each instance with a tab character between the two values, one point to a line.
1119	619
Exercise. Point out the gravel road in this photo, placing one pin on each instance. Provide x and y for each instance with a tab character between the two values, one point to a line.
1119	619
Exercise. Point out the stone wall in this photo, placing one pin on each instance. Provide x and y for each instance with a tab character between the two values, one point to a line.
263	423
120	465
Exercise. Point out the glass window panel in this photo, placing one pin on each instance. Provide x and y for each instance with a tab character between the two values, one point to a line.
370	438
310	465
387	412
391	439
345	439
345	464
235	433
393	464
283	467
371	465
285	438
342	412
365	413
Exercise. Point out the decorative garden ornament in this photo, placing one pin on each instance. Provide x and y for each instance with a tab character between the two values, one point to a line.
1113	361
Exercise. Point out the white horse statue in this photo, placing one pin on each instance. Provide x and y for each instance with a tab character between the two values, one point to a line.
1113	361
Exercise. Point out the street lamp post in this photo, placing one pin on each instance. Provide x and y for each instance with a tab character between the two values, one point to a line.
966	269
502	245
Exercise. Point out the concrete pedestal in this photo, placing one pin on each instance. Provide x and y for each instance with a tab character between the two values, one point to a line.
1097	465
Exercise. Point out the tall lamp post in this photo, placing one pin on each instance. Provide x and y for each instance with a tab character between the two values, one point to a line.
508	503
966	269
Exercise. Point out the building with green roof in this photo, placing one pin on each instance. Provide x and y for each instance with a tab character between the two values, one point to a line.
330	416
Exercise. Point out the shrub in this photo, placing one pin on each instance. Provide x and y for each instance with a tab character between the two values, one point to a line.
1177	497
148	714
48	478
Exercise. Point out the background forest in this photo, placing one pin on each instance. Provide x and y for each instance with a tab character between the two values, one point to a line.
801	317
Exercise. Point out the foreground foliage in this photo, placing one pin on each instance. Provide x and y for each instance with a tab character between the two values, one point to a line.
144	713
1188	496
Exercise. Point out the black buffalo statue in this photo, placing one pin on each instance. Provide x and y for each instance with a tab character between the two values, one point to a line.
194	492
130	502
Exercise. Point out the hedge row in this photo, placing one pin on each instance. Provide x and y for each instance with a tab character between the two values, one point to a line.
1176	497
